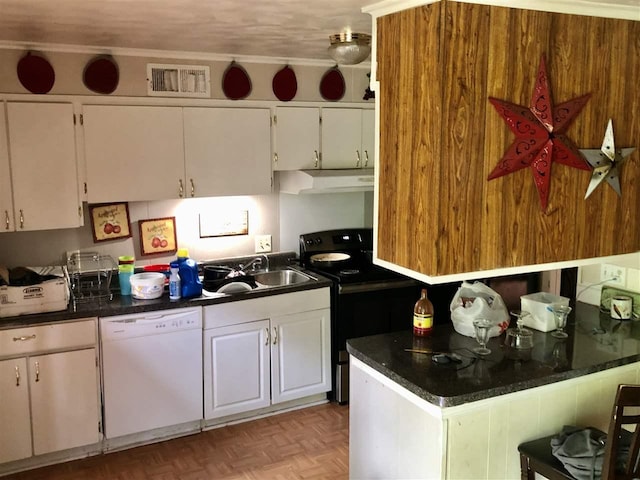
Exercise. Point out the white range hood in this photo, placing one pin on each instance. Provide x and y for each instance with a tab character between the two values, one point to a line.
326	181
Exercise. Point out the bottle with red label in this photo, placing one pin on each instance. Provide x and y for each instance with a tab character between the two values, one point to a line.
423	315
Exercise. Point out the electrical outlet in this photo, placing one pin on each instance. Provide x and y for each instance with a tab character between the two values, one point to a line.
263	243
613	274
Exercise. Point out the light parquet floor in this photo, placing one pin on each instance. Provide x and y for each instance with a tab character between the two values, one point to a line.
311	443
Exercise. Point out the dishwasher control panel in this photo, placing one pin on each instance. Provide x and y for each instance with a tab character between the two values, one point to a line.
150	323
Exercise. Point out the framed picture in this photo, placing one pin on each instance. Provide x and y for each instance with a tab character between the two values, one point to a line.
158	235
110	221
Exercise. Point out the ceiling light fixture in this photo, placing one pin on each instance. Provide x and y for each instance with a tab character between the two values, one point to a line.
350	48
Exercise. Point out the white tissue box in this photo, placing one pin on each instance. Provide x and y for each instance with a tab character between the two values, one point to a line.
536	304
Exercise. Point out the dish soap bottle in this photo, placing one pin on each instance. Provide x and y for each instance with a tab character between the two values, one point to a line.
423	315
175	292
191	286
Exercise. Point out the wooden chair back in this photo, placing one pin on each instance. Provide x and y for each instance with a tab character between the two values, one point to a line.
626	413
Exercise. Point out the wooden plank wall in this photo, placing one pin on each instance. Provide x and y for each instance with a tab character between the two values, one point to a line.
440	137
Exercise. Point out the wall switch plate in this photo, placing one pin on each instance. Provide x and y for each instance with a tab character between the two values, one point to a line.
613	274
263	243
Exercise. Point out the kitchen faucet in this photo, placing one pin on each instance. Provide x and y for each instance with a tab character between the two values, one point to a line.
257	261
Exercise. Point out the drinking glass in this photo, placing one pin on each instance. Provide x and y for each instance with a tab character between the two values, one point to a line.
560	313
482	327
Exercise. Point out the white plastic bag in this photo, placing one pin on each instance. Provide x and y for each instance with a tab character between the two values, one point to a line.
473	301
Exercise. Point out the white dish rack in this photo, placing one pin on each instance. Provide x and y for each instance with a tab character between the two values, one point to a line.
90	276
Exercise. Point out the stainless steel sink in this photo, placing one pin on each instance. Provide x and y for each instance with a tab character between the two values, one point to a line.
278	278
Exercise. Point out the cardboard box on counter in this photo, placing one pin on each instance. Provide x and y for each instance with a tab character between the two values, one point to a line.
541	317
48	296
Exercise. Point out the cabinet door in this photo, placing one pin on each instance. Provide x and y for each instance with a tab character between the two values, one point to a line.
297	138
133	153
6	198
64	400
43	166
15	434
300	355
236	369
227	151
341	138
368	138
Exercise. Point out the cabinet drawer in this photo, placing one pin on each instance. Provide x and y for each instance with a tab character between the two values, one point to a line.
234	313
21	341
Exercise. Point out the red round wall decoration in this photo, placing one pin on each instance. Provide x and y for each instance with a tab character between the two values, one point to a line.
36	73
284	84
101	75
332	85
236	83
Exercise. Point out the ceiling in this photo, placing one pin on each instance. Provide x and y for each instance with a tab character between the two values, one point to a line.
282	28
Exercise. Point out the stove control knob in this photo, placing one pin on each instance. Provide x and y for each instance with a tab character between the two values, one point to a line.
318	241
308	241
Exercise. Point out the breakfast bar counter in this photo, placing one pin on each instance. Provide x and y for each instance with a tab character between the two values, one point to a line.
413	418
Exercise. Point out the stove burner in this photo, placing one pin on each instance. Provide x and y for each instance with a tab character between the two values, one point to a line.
349	271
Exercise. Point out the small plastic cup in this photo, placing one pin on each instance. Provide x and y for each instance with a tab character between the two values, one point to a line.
124	277
126	260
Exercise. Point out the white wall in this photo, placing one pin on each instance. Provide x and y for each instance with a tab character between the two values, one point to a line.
285	221
590	280
284	217
319	211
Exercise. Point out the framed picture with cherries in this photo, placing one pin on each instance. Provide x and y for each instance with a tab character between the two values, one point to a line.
110	221
158	235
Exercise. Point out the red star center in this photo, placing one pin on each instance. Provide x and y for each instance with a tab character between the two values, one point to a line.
540	138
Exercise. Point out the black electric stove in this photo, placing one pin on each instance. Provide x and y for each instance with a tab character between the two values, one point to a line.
358	268
365	299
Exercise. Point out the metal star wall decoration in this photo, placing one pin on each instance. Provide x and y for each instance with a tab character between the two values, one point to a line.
606	162
540	135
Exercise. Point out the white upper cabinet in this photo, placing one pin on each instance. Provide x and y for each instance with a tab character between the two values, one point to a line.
368	138
42	156
6	197
227	151
133	153
347	138
143	153
297	138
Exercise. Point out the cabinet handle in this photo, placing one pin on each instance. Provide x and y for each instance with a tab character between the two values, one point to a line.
358	158
17	376
21	219
180	188
275	158
23	338
366	158
266	334
193	188
315	164
37	371
6	219
275	335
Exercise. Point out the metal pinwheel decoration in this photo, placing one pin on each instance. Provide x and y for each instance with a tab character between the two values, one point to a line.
540	135
606	162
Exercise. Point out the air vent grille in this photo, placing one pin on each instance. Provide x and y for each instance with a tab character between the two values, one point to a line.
164	80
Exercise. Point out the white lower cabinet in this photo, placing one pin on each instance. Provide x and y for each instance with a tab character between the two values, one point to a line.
236	368
265	351
15	434
298	355
48	401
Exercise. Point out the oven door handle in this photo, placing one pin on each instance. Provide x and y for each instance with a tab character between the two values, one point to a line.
348	289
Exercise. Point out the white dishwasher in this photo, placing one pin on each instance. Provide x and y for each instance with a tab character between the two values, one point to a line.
152	370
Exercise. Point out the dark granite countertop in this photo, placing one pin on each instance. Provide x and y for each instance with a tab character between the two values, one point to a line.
122	305
595	343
